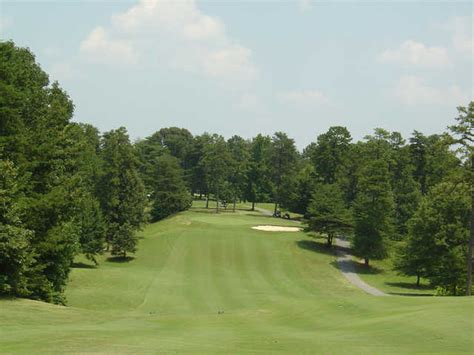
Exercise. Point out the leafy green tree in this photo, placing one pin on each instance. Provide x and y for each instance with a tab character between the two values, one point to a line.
240	158
283	159
437	246
16	254
330	153
215	163
177	142
327	212
121	192
373	211
432	159
35	118
464	137
196	168
92	227
169	191
258	187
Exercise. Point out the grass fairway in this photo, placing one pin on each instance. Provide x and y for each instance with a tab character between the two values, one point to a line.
208	283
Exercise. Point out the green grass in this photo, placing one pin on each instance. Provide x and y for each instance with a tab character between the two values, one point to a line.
381	275
279	292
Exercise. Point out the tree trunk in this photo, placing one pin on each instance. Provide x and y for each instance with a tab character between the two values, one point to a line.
330	238
207	201
217	201
276	207
233	208
366	262
253	205
471	235
417	280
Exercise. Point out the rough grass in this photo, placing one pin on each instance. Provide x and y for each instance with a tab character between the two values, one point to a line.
207	283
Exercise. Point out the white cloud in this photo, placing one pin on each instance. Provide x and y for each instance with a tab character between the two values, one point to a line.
411	90
99	46
305	5
303	98
462	34
415	53
178	34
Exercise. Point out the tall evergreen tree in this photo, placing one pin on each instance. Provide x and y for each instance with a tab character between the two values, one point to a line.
327	213
283	158
258	187
216	162
373	211
169	188
330	153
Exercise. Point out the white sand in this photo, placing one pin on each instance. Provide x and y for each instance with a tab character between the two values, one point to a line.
276	229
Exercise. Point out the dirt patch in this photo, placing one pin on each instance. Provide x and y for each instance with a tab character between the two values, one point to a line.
276	229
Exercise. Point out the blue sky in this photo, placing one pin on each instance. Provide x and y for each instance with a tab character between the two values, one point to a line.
253	67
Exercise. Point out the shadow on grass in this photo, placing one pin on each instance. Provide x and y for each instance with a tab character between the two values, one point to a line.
82	266
120	259
408	294
316	247
364	270
409	286
319	245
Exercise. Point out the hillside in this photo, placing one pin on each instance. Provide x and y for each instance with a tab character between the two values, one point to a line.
209	283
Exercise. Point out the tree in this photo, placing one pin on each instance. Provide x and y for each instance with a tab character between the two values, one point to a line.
437	246
258	187
196	172
121	192
215	163
16	254
240	156
283	158
92	227
327	213
464	136
330	153
169	189
373	210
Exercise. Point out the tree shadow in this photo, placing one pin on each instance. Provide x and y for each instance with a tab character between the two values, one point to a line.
409	285
364	270
408	294
316	247
82	265
120	259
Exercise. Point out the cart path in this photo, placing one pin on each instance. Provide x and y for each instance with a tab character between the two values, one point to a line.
346	265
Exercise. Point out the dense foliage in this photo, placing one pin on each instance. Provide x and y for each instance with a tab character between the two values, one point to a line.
66	189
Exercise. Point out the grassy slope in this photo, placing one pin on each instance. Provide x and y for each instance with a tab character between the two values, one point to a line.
278	291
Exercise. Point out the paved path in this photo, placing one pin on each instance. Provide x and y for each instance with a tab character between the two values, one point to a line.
346	265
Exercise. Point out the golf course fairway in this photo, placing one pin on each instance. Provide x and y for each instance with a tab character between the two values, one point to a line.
208	283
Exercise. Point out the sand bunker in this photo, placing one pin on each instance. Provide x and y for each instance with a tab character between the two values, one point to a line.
276	229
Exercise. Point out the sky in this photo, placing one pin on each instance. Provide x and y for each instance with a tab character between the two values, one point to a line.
247	67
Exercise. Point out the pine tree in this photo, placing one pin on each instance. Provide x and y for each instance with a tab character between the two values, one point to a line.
169	189
327	213
373	211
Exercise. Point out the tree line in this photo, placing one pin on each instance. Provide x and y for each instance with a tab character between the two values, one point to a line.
66	189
